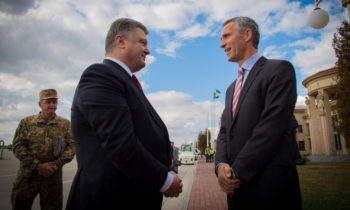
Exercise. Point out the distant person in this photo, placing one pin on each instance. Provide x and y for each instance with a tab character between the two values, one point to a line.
43	144
174	157
255	158
211	155
207	154
214	153
122	144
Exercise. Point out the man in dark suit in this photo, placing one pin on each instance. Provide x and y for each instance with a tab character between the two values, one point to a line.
255	147
122	145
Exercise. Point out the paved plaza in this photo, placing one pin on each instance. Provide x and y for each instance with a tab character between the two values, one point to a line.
200	191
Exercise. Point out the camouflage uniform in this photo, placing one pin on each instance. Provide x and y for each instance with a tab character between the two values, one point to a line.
34	143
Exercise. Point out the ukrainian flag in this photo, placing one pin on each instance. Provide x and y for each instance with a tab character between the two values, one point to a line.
216	94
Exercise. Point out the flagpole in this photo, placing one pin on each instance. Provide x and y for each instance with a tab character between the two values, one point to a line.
213	124
211	120
213	115
207	131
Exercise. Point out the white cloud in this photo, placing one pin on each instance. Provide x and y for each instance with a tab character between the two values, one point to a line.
170	48
317	57
11	111
11	83
301	101
273	52
307	42
169	15
48	45
194	31
290	19
7	130
183	117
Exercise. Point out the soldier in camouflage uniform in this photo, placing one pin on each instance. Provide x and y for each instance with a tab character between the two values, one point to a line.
34	143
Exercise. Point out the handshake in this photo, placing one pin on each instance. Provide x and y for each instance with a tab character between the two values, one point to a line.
175	188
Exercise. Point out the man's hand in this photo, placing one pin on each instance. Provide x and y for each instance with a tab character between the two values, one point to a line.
46	169
175	188
226	182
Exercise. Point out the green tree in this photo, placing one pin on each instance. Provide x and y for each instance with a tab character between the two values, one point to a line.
202	140
341	45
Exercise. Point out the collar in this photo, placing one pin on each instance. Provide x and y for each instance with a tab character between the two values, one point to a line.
248	64
125	67
42	120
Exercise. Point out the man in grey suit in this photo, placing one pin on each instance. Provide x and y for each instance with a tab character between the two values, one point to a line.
255	147
122	145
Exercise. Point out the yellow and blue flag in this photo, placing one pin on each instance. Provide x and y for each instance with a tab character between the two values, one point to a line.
216	94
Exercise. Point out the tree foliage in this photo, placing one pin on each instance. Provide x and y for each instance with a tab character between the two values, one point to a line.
341	45
202	140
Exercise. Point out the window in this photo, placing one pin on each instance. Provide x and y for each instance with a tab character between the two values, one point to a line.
335	122
310	144
186	148
301	145
300	128
337	142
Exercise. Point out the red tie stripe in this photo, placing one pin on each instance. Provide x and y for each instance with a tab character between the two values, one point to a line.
137	82
237	90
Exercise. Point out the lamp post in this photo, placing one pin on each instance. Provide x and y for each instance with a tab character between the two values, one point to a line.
346	4
319	18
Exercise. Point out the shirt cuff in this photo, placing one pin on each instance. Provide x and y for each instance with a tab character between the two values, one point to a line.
217	165
167	183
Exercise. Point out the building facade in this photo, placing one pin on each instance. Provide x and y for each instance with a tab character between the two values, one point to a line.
303	130
321	119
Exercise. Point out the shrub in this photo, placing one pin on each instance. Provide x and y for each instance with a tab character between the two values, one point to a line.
302	160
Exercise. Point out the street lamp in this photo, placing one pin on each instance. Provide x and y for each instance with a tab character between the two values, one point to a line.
346	4
319	18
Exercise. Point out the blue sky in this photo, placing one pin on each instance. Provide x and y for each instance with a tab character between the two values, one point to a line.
48	44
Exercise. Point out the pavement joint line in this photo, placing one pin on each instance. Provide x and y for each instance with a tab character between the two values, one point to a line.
188	196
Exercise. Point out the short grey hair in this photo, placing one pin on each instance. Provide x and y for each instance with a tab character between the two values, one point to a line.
121	26
243	23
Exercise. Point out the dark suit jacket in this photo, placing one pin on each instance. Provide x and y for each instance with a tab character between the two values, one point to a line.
257	142
122	145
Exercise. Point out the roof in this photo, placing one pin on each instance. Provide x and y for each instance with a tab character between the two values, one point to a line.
300	107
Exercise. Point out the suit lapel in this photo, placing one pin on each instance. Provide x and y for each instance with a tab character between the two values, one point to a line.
142	96
229	101
247	84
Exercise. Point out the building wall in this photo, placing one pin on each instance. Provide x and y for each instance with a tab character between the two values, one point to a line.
303	130
324	138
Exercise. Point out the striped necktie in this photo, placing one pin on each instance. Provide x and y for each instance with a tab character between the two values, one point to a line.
237	90
137	82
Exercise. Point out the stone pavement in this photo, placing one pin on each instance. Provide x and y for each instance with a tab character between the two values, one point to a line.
206	193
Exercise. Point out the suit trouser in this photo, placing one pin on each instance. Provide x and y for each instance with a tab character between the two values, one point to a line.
26	188
277	187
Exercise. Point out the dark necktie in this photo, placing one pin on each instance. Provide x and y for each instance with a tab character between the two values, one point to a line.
137	82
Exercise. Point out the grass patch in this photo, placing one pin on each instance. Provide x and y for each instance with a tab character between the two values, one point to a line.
325	186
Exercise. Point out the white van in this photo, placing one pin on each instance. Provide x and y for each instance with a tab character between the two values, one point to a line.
187	155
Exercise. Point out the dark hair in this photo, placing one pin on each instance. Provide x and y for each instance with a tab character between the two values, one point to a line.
243	23
121	26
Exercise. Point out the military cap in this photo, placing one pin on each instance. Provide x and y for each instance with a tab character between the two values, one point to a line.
48	93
